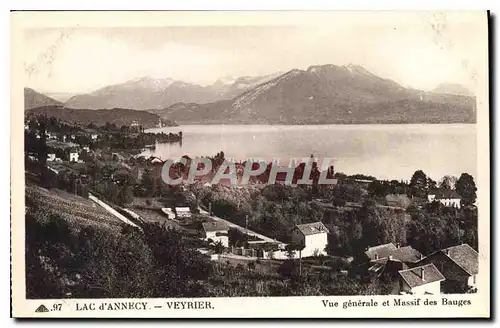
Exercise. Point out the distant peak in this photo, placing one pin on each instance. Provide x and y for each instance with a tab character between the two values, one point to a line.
149	82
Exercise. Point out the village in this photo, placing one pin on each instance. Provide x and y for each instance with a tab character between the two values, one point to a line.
86	162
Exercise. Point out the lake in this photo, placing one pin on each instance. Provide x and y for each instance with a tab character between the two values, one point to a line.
385	151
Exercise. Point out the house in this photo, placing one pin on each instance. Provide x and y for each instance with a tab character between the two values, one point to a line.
387	260
380	251
425	279
73	156
216	231
51	136
51	157
155	160
94	136
459	265
182	212
168	212
446	197
406	254
312	236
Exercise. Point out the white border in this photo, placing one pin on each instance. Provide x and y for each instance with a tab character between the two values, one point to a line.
146	4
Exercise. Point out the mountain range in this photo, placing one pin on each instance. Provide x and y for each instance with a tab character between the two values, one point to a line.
148	93
326	94
33	99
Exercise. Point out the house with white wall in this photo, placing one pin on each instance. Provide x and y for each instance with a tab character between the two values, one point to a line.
73	156
312	236
182	212
421	280
216	231
449	198
51	157
168	212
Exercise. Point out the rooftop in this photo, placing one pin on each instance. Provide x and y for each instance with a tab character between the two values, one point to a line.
421	275
214	226
380	251
312	228
406	254
465	256
182	209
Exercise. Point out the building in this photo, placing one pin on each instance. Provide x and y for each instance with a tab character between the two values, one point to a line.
312	236
51	157
459	265
406	254
388	259
182	212
446	197
51	136
155	160
421	280
73	156
216	231
168	212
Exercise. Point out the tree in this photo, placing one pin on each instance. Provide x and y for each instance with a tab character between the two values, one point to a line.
125	196
290	252
448	182
466	188
419	184
218	247
147	182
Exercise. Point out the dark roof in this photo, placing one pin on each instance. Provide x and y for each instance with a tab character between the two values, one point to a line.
445	194
214	226
465	256
381	250
413	276
311	228
406	254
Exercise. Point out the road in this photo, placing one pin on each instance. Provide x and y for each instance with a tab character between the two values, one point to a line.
242	229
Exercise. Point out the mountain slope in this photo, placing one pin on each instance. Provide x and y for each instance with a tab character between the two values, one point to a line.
148	93
117	116
329	94
33	99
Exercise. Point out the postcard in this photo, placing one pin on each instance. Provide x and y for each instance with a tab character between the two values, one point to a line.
285	164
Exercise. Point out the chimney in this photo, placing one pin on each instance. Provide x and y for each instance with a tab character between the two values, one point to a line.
422	273
390	257
421	256
398	245
376	256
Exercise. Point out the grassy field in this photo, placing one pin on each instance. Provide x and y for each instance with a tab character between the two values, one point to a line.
78	211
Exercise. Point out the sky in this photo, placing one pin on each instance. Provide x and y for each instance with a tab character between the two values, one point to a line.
416	51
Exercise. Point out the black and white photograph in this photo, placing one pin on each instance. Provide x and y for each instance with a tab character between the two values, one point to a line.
273	155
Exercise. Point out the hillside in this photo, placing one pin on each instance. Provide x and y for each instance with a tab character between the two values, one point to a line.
79	212
148	93
33	99
329	94
118	116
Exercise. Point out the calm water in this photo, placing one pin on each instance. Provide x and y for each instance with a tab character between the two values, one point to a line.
385	151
